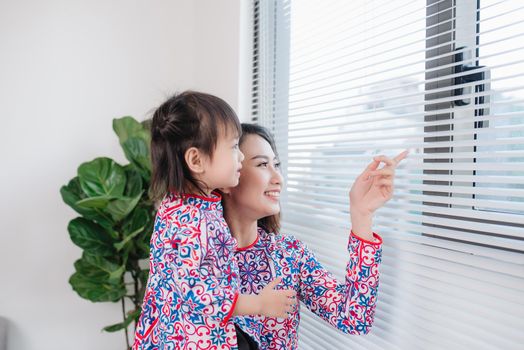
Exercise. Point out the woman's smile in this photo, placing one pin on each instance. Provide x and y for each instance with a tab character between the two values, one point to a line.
273	195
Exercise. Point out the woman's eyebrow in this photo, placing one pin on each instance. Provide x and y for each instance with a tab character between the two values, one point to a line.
260	157
263	157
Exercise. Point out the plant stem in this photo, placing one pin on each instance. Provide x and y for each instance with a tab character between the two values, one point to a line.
124	314
137	302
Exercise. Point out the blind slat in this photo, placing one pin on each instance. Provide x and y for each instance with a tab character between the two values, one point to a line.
341	82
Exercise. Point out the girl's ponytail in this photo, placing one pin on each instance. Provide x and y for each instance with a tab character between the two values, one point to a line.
189	119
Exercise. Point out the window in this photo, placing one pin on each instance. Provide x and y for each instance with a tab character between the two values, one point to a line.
341	81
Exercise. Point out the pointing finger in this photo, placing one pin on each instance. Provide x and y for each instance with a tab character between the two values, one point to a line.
401	156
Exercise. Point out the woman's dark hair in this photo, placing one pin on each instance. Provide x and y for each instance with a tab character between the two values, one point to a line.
269	223
189	119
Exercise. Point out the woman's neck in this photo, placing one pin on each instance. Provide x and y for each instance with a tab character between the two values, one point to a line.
244	230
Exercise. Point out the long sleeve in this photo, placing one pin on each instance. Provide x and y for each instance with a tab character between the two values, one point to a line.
205	289
348	306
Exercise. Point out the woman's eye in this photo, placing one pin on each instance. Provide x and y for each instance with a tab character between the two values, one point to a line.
277	165
263	164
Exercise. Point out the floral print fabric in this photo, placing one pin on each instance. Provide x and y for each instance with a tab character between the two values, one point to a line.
346	305
193	279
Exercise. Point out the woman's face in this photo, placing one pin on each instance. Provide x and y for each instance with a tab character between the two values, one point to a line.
258	192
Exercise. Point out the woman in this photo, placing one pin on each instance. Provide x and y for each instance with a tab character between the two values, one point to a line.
252	212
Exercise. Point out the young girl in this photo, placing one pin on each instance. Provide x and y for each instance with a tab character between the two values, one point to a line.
252	210
193	286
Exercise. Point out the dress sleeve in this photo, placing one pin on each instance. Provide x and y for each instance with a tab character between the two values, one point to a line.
203	292
348	306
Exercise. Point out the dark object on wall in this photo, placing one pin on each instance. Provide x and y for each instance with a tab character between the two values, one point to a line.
3	333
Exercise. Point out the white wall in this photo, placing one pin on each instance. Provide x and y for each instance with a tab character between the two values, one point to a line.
233	49
67	68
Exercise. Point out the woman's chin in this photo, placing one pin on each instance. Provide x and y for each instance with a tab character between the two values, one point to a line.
272	210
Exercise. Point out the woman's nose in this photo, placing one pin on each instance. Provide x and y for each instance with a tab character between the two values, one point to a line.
277	177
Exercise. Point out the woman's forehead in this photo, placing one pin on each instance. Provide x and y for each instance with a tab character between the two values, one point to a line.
255	145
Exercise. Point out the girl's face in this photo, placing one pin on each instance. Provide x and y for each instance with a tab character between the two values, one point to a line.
223	169
258	192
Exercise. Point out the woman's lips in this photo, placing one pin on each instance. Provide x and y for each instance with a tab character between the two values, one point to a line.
275	195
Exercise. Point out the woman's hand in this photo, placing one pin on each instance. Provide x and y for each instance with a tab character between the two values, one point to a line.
371	190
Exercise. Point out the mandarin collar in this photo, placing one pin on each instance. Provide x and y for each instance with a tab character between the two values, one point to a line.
210	202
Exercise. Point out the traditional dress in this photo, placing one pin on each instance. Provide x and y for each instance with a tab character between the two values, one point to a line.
193	279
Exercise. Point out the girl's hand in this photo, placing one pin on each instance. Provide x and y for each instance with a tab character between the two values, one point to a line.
371	190
276	303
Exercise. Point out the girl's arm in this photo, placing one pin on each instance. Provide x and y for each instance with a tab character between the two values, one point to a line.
205	294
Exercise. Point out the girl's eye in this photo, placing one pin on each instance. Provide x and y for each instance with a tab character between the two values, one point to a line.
235	146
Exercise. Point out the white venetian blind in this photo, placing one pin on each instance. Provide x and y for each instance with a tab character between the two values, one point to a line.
341	81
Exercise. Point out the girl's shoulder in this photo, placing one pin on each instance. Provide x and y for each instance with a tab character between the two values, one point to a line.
175	207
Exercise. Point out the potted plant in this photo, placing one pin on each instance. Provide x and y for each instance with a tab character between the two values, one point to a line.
115	224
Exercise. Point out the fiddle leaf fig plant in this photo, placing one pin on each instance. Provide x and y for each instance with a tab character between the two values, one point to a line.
115	224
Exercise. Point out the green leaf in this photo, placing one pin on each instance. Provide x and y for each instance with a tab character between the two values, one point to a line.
144	276
140	218
116	276
135	138
107	264
115	327
143	248
99	202
139	224
137	152
131	316
120	245
134	184
91	272
72	194
98	279
100	269
101	177
96	291
90	236
121	207
127	127
142	242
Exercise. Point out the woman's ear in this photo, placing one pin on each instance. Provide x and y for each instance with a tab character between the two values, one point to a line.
195	160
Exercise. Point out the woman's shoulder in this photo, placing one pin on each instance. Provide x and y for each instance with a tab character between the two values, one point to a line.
282	241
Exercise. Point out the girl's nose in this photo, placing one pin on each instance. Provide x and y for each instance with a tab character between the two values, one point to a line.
240	156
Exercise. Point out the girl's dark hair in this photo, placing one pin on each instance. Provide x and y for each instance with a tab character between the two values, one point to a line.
269	223
189	119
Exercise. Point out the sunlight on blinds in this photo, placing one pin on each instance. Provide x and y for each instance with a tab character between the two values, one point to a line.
444	79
